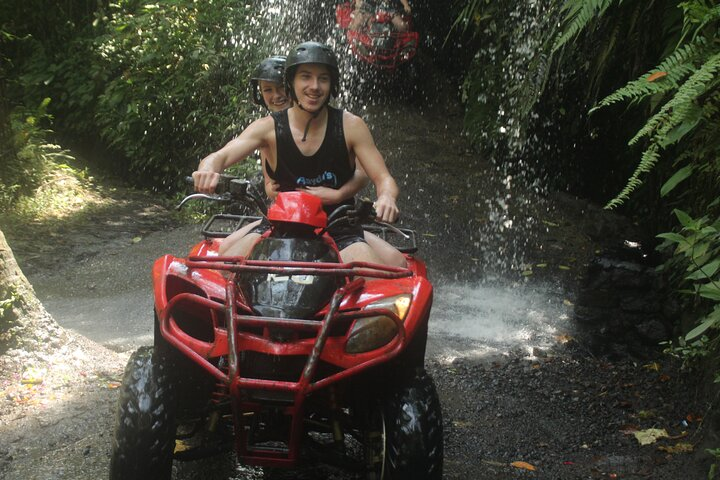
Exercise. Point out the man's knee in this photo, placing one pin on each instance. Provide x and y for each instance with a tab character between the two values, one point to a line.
238	246
359	252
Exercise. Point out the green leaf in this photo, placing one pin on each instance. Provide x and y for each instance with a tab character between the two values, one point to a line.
693	116
673	237
706	271
697	331
684	219
678	177
709	290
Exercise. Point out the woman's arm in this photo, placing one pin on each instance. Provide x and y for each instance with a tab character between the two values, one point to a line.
333	196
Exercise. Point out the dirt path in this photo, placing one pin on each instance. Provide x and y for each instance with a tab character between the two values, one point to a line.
514	385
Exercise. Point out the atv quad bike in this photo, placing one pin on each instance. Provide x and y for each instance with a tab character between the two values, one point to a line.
288	356
378	43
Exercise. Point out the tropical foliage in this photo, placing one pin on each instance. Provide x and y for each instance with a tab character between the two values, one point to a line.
669	118
27	154
156	85
682	97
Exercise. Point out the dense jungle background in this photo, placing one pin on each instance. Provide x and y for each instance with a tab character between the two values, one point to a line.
614	102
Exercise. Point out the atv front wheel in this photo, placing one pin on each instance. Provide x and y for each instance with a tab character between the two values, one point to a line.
413	430
144	438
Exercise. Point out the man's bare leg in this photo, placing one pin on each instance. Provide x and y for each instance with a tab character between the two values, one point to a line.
359	252
236	242
240	247
388	254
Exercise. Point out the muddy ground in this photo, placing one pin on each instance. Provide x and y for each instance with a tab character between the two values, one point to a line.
561	410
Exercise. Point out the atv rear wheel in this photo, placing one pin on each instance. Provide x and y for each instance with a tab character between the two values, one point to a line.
144	438
413	430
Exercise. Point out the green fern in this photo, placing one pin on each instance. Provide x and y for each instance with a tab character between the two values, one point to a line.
578	15
697	15
676	67
682	107
648	160
676	118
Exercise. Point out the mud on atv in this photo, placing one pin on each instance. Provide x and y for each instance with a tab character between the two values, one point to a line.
287	356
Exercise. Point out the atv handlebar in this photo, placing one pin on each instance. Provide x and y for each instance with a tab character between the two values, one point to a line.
236	191
230	189
361	213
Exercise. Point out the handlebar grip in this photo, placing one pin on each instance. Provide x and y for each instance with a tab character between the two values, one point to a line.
221	187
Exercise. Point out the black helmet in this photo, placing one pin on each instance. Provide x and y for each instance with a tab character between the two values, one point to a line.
271	69
312	52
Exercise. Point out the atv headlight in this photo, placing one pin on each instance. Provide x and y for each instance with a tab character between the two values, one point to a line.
370	333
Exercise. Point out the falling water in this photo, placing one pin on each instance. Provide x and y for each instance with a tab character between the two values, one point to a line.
484	312
495	312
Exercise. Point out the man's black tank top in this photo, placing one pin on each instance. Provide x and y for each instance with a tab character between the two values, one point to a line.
328	167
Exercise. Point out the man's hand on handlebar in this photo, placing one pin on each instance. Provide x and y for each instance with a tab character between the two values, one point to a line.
205	182
386	208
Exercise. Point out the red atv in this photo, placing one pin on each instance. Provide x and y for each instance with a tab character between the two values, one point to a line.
378	42
287	355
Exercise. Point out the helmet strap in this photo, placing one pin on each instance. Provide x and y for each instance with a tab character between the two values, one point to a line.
313	116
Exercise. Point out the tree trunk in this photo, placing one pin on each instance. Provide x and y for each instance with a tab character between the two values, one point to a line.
24	322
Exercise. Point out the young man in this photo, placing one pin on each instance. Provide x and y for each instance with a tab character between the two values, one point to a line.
268	87
311	146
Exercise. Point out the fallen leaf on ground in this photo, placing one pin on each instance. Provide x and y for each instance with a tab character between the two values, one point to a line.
693	418
654	366
563	338
136	239
651	435
181	446
682	447
523	465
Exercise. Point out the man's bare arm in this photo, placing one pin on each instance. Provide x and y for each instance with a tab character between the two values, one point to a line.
369	157
237	149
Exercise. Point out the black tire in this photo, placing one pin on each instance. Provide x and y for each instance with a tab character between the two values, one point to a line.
413	430
192	385
144	439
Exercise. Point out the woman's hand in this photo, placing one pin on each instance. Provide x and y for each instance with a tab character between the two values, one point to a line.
271	189
328	196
